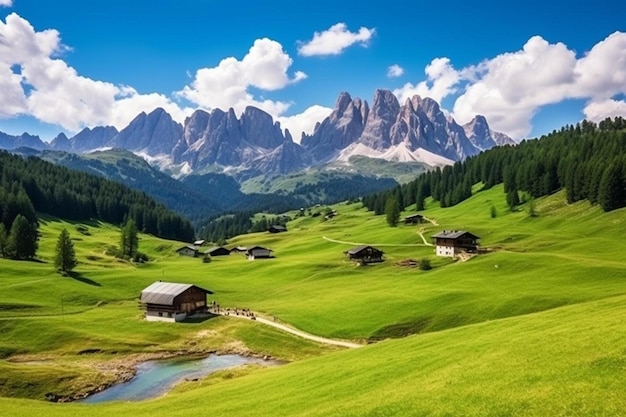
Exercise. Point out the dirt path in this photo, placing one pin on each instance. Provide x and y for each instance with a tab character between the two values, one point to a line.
376	244
297	332
421	233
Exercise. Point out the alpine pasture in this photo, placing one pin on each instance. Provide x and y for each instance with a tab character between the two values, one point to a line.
534	327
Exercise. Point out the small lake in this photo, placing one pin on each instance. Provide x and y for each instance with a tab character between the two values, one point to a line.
155	378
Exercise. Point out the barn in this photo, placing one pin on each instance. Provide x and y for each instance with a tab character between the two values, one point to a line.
188	251
449	243
169	301
414	219
277	228
259	252
217	251
365	254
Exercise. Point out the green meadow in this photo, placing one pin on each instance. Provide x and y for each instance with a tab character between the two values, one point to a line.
537	326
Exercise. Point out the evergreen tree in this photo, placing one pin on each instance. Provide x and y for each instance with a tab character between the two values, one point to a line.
420	198
611	190
65	258
512	199
3	241
22	239
392	210
129	241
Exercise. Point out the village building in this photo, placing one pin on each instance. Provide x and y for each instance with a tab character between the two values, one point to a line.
199	243
277	228
168	301
365	254
414	219
217	251
188	250
259	252
452	242
239	249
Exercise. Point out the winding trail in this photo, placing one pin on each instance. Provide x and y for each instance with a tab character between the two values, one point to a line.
296	332
377	244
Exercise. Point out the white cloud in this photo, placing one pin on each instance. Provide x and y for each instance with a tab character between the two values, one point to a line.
596	111
395	71
441	81
227	85
305	121
510	88
334	40
33	81
6	3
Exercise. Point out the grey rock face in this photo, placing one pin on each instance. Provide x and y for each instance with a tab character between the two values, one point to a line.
91	139
155	134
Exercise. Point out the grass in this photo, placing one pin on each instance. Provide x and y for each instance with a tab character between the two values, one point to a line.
513	332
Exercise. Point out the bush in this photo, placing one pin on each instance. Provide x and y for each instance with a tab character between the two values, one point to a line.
140	257
206	259
425	264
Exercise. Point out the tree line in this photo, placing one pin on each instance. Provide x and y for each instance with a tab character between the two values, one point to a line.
72	195
241	223
588	160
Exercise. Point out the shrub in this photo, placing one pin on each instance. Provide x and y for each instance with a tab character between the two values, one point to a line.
425	264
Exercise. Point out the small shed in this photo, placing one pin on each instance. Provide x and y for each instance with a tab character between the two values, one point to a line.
188	250
169	301
449	243
217	251
259	252
365	253
239	249
277	228
414	219
199	242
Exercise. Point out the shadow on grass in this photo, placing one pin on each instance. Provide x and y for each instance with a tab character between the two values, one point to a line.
83	279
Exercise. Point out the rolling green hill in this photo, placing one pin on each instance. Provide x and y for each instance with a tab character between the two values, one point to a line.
535	327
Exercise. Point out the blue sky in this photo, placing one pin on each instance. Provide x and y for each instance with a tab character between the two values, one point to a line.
529	67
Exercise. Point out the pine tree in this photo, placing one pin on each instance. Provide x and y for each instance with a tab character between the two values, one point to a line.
3	241
611	190
512	199
392	210
65	259
22	239
129	241
420	198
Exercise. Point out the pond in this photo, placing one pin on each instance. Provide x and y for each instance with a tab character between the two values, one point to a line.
155	378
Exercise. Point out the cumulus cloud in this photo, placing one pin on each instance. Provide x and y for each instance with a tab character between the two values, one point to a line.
510	88
35	81
6	3
334	40
395	71
305	121
441	81
227	85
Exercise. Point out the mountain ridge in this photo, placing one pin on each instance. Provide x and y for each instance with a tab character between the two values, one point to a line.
255	144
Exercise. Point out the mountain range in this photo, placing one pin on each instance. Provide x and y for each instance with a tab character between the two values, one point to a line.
254	144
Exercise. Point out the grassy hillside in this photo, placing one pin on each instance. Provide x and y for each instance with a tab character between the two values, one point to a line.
533	328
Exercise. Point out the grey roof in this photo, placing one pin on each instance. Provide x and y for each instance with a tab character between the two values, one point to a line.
193	248
214	248
414	216
259	248
453	234
358	249
165	292
199	242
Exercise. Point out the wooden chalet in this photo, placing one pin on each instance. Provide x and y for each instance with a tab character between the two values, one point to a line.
451	242
188	250
277	228
414	219
239	249
259	252
168	301
217	251
365	254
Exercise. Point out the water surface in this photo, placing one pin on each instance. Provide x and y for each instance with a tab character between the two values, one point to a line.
155	378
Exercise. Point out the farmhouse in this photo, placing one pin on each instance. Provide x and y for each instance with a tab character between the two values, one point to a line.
188	251
277	229
217	251
414	219
259	252
199	242
366	254
451	242
168	301
239	249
